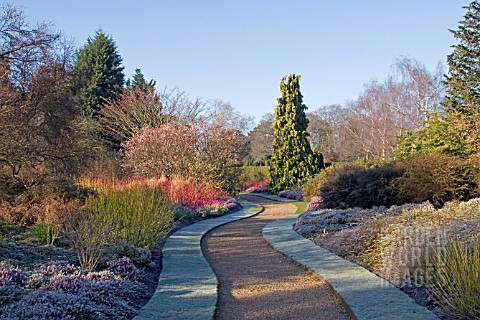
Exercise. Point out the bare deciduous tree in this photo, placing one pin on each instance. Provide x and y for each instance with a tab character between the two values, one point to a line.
368	127
133	110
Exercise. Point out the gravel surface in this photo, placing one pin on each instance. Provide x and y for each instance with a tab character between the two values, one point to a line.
256	282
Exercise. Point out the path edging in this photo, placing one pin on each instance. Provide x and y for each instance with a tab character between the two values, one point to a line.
367	295
188	288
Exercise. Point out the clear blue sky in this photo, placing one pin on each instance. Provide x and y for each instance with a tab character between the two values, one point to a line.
238	50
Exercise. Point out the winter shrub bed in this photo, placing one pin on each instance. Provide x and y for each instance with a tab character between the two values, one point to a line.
204	152
254	177
421	249
257	190
434	178
292	194
61	290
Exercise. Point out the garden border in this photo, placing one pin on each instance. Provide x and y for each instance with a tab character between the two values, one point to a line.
366	294
188	288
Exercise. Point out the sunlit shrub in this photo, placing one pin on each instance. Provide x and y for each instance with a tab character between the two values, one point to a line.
439	179
139	214
254	176
403	246
351	186
312	187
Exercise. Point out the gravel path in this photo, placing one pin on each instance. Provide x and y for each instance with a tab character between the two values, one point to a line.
256	282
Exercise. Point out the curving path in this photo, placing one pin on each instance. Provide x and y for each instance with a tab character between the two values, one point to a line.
256	282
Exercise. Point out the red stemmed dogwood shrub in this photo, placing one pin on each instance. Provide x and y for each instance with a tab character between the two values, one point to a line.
188	193
205	153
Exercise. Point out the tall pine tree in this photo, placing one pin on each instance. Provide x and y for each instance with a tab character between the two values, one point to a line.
463	79
97	74
292	160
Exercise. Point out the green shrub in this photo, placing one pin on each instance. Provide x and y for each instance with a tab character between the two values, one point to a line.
439	179
44	233
140	213
312	187
254	176
349	186
183	213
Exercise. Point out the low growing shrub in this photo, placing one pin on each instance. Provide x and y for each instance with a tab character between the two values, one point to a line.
257	190
60	290
124	268
349	186
439	178
401	249
254	176
292	194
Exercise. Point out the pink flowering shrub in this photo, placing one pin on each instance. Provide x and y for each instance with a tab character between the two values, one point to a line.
218	207
167	150
188	193
206	153
60	290
257	190
292	194
57	267
315	203
124	268
10	275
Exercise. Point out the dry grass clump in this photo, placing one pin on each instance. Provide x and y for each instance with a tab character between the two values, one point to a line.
455	278
400	252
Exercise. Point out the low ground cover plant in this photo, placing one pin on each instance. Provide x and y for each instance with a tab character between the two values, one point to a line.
292	194
61	290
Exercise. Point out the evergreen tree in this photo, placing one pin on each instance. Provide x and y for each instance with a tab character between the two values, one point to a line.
463	79
97	74
138	81
292	160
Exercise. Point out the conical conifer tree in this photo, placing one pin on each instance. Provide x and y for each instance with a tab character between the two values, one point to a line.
463	79
292	160
97	74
